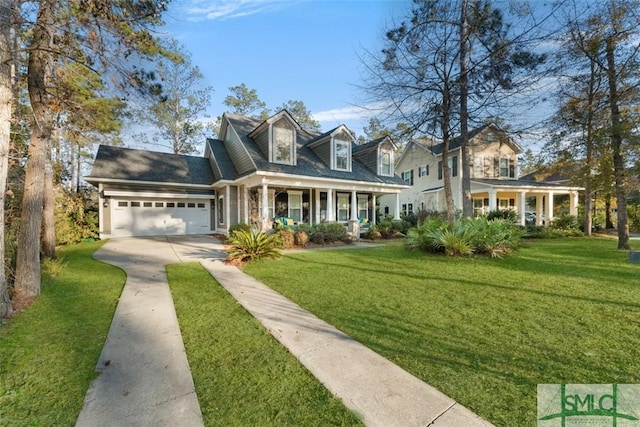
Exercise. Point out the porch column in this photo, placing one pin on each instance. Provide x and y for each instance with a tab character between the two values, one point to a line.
521	207
373	210
493	205
539	209
396	214
101	208
245	204
354	206
265	204
549	208
317	212
331	214
573	203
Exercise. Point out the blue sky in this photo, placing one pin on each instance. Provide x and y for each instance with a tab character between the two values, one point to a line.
304	50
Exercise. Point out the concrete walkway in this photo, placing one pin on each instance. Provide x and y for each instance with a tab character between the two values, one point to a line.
144	375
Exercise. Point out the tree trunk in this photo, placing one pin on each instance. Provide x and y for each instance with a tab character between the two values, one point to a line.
446	174
6	96
467	202
588	186
27	280
619	168
48	217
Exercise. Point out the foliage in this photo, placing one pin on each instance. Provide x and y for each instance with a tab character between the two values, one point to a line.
465	237
505	214
566	224
240	226
484	332
76	219
245	101
328	232
50	350
303	116
301	238
247	246
287	239
250	379
177	106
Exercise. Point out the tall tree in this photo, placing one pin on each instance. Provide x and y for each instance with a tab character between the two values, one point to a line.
245	101
303	116
6	99
177	108
449	60
98	34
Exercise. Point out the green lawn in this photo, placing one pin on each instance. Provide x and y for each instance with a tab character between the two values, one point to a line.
243	376
48	353
483	331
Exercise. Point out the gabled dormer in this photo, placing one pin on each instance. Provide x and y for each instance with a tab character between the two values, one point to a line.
334	148
377	155
277	138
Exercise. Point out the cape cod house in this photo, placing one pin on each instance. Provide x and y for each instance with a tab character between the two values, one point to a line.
255	172
494	179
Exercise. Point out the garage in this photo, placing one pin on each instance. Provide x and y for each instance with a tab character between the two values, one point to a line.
155	217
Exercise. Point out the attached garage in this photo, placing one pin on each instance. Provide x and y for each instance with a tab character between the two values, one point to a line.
154	217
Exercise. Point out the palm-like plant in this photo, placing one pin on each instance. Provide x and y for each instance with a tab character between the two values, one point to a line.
249	245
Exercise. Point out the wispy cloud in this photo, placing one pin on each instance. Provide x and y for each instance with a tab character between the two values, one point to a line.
348	113
202	10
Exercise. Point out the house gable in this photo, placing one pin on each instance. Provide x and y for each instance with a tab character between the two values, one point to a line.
335	148
276	137
377	155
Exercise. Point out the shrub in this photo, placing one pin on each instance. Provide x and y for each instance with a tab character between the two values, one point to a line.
301	238
251	245
373	233
318	237
286	238
242	226
504	214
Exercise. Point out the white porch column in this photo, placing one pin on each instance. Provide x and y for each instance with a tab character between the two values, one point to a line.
245	204
573	203
396	214
539	209
331	214
373	210
317	211
101	208
548	215
265	203
521	207
493	205
354	206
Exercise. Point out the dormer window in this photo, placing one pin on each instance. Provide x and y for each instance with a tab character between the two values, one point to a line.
386	162
342	154
283	145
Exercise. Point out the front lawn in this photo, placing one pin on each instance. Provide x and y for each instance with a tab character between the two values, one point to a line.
48	354
483	331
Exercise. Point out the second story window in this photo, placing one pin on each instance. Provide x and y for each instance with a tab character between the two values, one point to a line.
407	176
342	154
423	171
507	168
283	145
386	164
453	167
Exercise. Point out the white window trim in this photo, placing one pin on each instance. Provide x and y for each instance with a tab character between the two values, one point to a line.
338	197
391	161
334	160
272	147
294	193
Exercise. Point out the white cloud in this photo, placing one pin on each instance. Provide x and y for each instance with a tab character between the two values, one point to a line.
350	112
201	10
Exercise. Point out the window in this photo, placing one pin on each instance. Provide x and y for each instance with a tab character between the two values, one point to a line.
295	206
181	204
386	163
386	209
409	208
122	204
283	144
478	207
503	204
171	205
453	167
159	205
147	204
201	205
504	167
407	176
191	205
363	206
423	171
221	210
404	208
343	207
342	154
135	204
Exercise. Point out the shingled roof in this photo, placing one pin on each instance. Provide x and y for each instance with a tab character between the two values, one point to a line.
118	163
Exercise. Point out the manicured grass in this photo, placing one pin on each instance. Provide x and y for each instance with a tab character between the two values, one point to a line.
483	331
243	376
49	352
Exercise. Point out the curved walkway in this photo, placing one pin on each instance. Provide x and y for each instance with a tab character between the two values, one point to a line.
144	374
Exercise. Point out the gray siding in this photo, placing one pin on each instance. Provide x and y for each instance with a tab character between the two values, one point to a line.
233	205
237	153
324	152
262	139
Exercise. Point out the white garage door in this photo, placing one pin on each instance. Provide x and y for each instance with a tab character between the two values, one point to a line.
148	217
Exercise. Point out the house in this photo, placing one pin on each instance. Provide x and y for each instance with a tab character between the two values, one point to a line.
255	172
494	178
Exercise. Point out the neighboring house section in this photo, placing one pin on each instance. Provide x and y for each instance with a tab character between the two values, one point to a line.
494	179
255	172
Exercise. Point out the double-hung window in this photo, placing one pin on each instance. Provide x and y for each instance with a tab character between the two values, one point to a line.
386	164
343	207
295	205
423	171
453	167
407	176
283	145
342	154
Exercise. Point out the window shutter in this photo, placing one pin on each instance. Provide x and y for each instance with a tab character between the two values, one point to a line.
411	178
496	167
